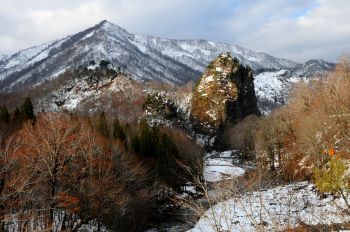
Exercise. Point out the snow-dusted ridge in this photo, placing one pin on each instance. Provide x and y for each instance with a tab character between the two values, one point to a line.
2	57
198	53
150	58
144	57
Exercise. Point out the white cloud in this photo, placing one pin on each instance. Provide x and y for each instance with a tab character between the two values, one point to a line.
321	32
294	29
30	24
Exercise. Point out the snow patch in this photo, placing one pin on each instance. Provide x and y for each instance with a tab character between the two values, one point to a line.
88	35
274	210
219	166
140	46
218	69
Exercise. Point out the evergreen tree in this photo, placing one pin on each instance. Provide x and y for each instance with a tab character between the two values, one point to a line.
17	116
153	143
135	144
147	139
144	142
166	146
4	114
92	62
128	136
160	147
27	109
103	125
166	165
118	131
104	64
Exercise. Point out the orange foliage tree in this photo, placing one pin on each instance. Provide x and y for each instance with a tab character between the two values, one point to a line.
59	170
315	120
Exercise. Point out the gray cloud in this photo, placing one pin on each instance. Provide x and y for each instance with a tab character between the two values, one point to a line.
294	29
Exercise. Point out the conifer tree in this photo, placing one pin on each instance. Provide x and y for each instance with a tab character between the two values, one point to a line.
104	64
135	144
118	131
160	147
103	125
144	142
166	164
147	138
4	114
27	109
17	116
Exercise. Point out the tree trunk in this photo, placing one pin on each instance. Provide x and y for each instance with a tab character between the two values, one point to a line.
52	204
272	157
53	186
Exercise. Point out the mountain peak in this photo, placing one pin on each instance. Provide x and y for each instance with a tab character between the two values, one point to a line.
113	29
105	23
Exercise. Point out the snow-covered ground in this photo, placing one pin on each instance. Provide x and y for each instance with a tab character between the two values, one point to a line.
13	223
219	166
274	210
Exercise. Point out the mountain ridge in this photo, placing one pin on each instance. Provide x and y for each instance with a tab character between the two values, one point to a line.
145	57
150	58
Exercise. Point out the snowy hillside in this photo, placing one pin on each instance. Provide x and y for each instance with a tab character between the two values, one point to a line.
272	88
198	53
90	91
144	57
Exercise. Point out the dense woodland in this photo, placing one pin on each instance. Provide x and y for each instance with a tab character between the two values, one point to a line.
57	168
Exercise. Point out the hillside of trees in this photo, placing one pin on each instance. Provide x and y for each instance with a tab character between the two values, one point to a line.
62	171
301	138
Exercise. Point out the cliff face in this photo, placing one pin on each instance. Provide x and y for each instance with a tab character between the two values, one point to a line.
224	94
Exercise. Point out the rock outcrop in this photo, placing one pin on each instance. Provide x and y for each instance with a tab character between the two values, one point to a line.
224	94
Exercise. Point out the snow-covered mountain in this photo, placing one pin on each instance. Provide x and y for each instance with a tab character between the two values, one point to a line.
272	87
145	57
150	58
312	68
198	53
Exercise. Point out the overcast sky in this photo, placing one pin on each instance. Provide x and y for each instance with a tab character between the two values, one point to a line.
293	29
